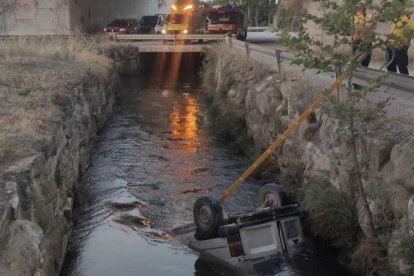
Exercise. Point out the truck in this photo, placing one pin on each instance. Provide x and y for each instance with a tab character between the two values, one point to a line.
227	19
185	17
152	24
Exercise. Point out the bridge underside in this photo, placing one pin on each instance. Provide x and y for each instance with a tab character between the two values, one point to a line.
61	17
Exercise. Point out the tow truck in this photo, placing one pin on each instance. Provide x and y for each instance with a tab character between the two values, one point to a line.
185	17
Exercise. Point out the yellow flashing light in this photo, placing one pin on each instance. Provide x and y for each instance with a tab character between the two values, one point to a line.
189	7
174	7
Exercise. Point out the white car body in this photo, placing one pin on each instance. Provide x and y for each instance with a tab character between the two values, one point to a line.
272	234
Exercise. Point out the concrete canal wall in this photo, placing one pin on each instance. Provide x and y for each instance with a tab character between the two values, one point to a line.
38	190
255	105
50	117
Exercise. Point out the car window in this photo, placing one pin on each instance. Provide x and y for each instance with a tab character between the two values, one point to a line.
132	23
222	17
122	23
149	21
114	23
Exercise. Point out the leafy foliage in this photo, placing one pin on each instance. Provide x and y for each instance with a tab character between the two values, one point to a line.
332	213
263	9
329	207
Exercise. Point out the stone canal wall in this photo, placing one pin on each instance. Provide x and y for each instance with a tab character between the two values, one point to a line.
48	126
39	189
254	105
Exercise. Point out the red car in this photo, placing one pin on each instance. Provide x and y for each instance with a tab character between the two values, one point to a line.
122	26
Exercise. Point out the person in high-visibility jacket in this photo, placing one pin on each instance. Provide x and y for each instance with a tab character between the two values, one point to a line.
363	22
401	32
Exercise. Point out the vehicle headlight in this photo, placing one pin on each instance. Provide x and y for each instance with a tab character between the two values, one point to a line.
185	31
164	31
105	29
122	29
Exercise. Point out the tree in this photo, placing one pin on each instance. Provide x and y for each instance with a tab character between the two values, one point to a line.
288	14
259	12
312	53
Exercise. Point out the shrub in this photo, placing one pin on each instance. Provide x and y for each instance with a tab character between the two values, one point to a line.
332	213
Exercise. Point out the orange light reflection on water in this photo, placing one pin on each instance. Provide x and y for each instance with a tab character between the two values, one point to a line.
169	63
183	123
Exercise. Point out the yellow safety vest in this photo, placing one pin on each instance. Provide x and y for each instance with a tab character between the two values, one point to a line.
402	29
360	19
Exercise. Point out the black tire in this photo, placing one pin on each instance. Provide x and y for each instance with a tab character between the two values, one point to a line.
208	216
272	195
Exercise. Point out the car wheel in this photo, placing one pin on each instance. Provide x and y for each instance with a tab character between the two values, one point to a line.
208	216
272	195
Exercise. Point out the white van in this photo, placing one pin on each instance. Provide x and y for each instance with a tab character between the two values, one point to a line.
152	24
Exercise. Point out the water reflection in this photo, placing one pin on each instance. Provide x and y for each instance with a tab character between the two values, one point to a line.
183	123
168	66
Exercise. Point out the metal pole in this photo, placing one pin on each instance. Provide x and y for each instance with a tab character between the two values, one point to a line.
389	59
246	45
279	62
338	72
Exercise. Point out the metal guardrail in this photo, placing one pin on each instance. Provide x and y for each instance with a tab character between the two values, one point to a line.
168	37
258	29
364	74
394	80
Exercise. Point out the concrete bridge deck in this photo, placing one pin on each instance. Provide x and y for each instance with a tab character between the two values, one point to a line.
159	47
156	43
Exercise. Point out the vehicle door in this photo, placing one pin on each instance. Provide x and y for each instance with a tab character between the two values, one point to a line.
160	23
290	232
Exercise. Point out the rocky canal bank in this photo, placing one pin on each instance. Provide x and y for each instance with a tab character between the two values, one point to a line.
54	97
254	105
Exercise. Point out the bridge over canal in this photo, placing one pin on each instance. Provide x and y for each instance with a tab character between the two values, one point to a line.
262	47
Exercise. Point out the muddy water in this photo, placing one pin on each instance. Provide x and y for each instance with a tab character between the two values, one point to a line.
154	157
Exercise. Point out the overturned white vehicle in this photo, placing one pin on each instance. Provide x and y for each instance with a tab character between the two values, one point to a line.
266	232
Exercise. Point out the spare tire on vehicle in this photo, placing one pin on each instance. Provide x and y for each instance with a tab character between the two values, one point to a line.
272	195
208	216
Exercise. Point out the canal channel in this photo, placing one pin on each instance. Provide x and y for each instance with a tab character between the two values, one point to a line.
154	157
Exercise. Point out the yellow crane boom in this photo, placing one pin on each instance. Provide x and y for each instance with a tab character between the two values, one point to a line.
282	138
